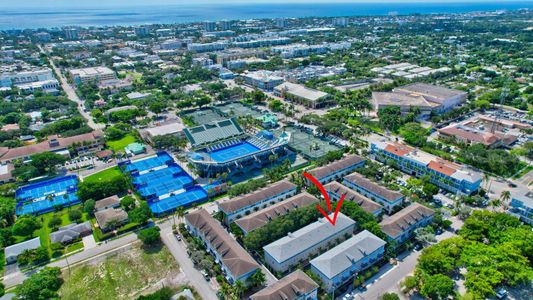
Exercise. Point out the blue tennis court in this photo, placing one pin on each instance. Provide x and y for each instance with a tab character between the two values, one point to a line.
46	205
232	152
42	197
44	188
164	187
187	198
157	175
161	159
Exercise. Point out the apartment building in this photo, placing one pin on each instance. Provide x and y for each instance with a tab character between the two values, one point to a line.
297	247
521	205
366	187
235	262
341	264
336	190
295	286
401	226
450	176
337	169
241	206
264	216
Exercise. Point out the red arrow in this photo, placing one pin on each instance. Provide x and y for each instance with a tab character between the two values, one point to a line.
326	197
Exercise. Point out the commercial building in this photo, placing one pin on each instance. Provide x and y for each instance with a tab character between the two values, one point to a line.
521	205
9	79
341	264
241	206
262	42
209	26
172	44
83	143
336	190
364	186
264	216
299	50
303	95
472	135
450	176
13	251
265	80
236	263
295	286
407	103
164	32
298	247
142	30
446	98
96	74
170	127
337	169
400	226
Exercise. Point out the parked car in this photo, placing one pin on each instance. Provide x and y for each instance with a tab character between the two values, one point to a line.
178	237
206	276
501	293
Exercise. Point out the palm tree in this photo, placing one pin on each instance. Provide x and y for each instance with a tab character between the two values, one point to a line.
239	288
258	279
505	197
180	212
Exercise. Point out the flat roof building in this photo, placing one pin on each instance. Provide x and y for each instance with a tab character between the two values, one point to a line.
400	226
265	80
405	102
96	74
264	216
341	264
302	244
450	176
337	169
521	205
388	198
236	263
336	190
296	285
244	205
301	94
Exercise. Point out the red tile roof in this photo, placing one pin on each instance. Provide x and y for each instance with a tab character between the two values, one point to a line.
441	167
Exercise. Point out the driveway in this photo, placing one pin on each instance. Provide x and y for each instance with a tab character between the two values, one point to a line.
88	242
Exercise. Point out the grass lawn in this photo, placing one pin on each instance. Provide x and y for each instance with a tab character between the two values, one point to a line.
104	175
123	276
119	145
44	232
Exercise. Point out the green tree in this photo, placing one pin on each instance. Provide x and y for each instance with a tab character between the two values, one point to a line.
127	203
150	236
414	134
390	296
55	221
258	279
141	214
46	162
41	286
25	226
74	215
89	206
437	287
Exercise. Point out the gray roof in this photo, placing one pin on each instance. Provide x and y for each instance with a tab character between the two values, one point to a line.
310	235
396	224
343	256
212	132
366	204
232	254
399	99
15	250
70	232
523	194
375	188
103	217
289	287
253	198
261	218
433	91
107	202
335	166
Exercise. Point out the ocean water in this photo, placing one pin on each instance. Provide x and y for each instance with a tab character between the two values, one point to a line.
48	16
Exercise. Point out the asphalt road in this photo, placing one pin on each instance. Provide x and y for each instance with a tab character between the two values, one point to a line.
71	94
179	252
18	277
